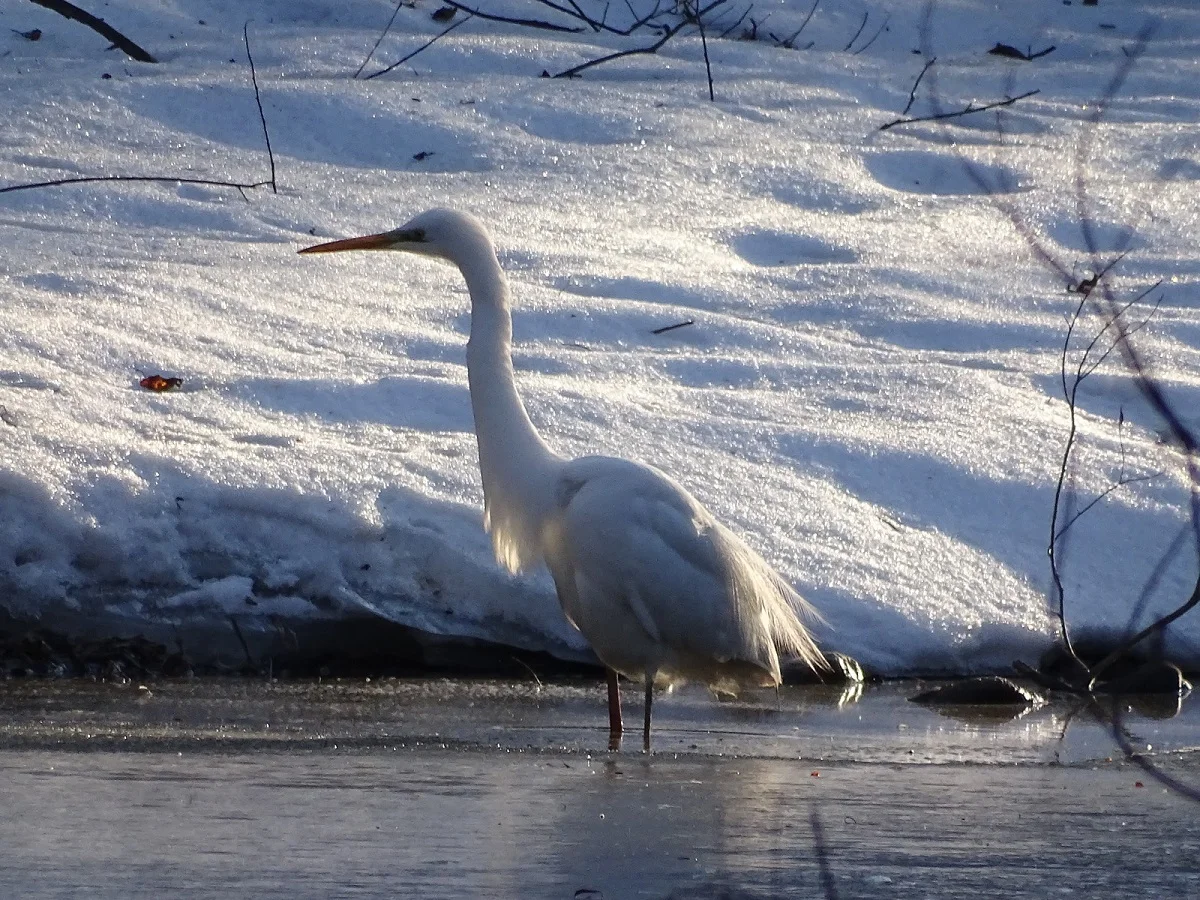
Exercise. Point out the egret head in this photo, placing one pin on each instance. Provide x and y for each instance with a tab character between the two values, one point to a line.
443	233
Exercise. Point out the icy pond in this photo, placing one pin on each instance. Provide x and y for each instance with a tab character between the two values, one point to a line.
487	788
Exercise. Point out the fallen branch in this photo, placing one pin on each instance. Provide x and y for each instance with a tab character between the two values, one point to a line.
789	42
527	23
1122	737
379	40
166	179
1010	52
861	26
652	48
728	31
704	44
912	93
878	31
970	108
429	43
71	11
258	100
600	24
665	328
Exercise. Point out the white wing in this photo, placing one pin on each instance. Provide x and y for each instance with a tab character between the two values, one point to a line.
655	582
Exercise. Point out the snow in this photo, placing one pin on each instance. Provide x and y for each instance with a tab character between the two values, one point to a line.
869	391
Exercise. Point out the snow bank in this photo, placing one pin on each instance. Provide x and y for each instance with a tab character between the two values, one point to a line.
869	390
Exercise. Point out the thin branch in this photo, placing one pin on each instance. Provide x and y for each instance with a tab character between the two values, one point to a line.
429	43
1052	551
803	25
665	328
527	23
912	93
712	97
1121	736
600	24
652	48
970	108
71	11
742	18
1115	486
1152	582
861	26
379	40
258	99
596	26
875	36
167	179
237	629
1131	330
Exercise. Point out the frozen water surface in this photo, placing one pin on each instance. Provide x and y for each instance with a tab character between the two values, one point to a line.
489	788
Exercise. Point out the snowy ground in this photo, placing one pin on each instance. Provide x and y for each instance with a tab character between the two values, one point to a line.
869	389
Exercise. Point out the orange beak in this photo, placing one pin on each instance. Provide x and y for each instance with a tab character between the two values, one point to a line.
369	242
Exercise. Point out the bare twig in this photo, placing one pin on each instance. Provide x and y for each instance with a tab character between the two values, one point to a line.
510	20
742	18
237	629
878	31
667	34
596	26
620	54
1152	581
667	328
970	108
792	40
429	43
529	669
1122	737
261	115
71	11
601	24
1010	52
861	26
704	44
379	40
1070	389
912	93
167	179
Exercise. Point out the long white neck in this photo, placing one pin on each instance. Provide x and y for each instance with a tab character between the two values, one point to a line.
517	467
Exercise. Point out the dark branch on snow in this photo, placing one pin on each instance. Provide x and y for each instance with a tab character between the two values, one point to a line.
258	100
71	11
429	43
970	108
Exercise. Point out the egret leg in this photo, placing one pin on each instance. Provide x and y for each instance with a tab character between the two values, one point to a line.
646	726
614	712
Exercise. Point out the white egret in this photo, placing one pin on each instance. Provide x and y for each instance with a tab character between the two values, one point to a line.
662	591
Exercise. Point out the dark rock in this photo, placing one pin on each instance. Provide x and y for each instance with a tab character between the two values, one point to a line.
990	690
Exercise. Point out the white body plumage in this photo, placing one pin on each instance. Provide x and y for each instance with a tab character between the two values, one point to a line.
660	589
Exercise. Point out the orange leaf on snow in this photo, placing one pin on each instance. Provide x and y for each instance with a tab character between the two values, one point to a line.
159	384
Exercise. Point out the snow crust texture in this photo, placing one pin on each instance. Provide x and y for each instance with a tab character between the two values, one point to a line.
867	387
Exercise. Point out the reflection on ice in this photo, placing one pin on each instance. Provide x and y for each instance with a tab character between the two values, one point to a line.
822	724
